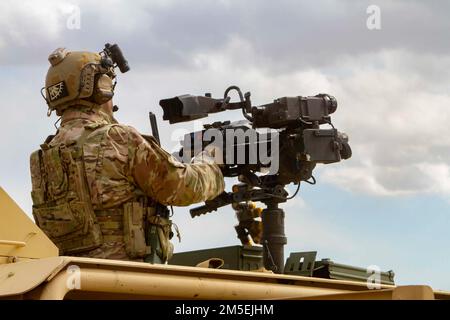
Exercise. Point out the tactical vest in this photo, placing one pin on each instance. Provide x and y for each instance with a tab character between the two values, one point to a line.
63	209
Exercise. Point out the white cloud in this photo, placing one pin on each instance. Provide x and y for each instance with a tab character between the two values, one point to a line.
396	121
25	21
438	175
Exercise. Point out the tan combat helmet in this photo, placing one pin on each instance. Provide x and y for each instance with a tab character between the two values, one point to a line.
82	78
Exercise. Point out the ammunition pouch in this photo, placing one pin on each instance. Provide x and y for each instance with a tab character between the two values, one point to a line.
133	230
61	203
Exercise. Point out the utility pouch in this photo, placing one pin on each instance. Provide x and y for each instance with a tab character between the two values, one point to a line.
69	227
61	201
39	188
133	229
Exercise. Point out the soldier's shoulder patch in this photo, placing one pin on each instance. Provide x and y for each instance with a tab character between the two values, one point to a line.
57	91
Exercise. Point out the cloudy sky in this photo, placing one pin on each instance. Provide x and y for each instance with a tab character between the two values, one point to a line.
387	206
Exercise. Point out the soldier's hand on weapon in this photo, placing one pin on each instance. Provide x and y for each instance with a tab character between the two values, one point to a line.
216	153
211	154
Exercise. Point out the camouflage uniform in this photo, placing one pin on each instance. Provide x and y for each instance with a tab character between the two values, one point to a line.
121	163
122	166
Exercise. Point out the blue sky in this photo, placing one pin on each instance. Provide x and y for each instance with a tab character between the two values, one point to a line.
408	234
388	205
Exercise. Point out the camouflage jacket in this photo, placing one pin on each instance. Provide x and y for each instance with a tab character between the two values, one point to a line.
121	164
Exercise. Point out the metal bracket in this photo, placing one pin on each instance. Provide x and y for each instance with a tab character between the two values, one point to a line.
301	263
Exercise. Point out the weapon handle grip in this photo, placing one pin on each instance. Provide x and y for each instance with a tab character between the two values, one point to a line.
198	211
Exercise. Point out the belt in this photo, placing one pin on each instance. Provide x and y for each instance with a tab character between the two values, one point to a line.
111	221
111	224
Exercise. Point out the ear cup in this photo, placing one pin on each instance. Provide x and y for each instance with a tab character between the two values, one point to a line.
103	90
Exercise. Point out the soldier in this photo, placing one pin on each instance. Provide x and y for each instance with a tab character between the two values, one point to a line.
100	189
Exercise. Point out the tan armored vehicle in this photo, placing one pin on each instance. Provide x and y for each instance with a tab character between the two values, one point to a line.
30	268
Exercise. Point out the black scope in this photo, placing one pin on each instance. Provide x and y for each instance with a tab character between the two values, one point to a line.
288	111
